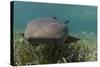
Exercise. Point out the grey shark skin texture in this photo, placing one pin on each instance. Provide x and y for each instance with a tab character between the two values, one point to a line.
48	29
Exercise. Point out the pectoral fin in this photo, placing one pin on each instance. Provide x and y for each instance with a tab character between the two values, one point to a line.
71	39
22	34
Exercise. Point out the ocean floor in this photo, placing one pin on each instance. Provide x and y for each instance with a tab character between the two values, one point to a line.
84	50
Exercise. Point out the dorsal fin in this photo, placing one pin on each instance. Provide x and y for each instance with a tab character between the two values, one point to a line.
55	17
66	22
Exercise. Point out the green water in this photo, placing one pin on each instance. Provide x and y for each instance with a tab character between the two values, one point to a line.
82	18
83	25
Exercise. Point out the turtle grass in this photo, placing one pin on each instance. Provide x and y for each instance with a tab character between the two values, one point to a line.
26	53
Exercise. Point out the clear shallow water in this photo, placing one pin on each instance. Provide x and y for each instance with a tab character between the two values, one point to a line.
82	18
